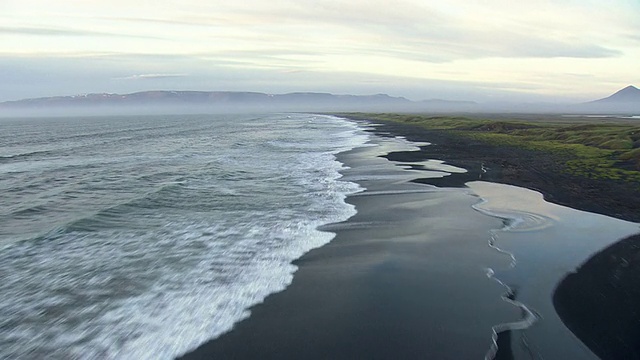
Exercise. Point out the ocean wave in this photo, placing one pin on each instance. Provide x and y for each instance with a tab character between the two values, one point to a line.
156	253
24	156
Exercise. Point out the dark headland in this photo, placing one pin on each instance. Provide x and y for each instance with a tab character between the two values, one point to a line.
599	302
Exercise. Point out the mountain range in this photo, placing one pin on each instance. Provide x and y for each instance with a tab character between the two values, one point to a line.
626	100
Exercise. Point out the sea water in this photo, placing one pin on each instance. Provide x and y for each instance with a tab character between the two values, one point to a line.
143	237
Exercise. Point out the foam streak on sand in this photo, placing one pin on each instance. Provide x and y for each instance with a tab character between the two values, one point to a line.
548	241
528	316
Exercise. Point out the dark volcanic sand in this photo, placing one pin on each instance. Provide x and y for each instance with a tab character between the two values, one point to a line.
600	302
521	167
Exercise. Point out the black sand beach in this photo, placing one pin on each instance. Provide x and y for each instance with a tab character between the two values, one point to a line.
406	277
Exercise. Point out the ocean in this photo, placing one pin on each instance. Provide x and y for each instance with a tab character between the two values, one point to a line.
142	237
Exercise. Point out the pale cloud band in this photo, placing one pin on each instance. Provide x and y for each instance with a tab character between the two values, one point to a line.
55	32
150	76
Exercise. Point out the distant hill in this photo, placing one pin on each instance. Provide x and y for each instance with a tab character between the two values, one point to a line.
196	101
630	94
199	98
626	100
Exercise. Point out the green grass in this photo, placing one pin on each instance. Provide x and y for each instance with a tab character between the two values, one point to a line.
598	151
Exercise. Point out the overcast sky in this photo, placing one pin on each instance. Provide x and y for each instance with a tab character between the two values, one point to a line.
456	49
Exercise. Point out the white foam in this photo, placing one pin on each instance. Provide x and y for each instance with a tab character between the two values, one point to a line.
437	165
157	293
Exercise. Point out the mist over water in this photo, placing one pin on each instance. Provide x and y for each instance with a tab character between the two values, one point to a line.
142	237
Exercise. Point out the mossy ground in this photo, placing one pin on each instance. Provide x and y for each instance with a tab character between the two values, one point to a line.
592	150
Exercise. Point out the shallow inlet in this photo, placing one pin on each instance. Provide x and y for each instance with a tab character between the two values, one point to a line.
548	241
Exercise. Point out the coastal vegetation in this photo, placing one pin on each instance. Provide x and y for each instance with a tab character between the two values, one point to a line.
588	148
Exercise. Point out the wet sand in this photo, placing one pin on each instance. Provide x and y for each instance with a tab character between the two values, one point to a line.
547	241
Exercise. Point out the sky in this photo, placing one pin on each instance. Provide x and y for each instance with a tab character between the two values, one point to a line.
490	50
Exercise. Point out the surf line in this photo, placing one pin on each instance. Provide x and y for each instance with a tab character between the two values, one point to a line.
529	316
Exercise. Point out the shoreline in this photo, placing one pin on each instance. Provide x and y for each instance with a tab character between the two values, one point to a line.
403	278
517	166
398	270
580	314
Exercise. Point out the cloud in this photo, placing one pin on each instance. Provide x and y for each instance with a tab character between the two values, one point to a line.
257	31
151	76
546	48
42	31
418	30
431	51
634	37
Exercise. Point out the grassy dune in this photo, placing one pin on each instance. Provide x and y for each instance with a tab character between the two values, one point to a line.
597	150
